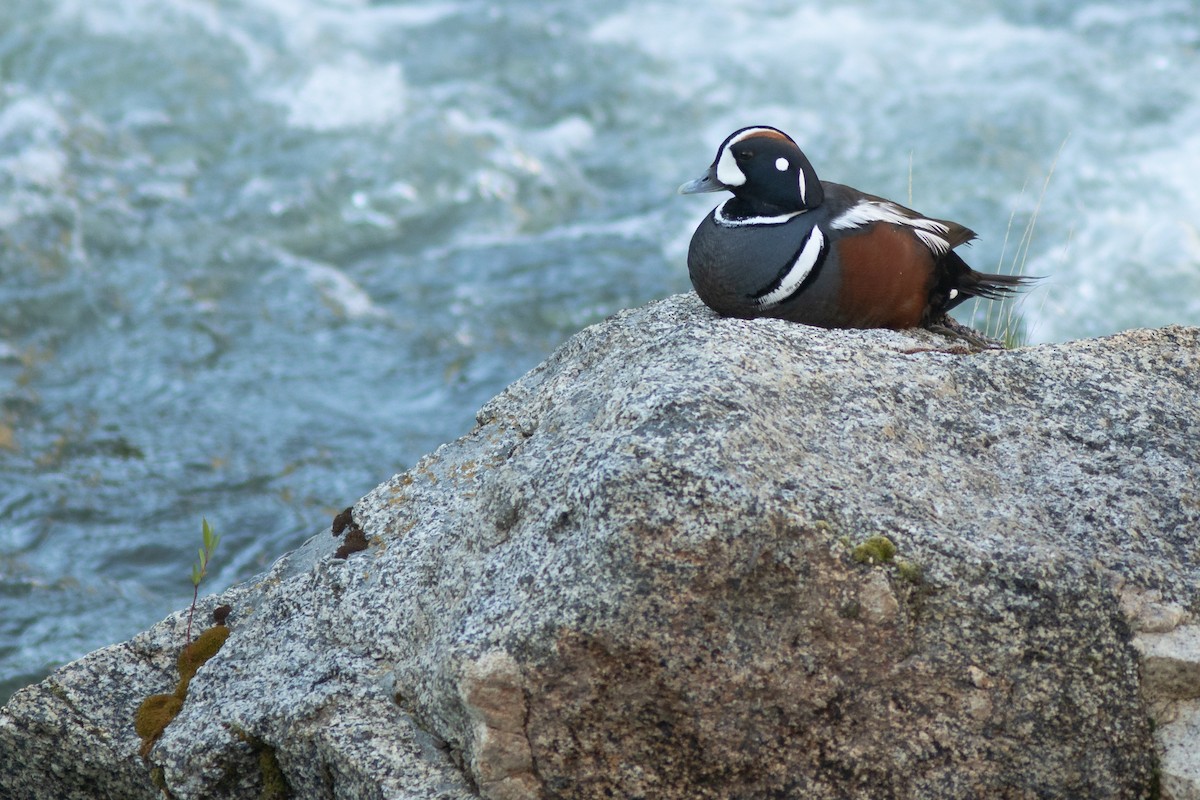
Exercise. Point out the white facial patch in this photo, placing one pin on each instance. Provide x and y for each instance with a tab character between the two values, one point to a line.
782	164
799	270
868	211
728	172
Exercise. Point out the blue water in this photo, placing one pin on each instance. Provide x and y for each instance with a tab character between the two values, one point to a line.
256	256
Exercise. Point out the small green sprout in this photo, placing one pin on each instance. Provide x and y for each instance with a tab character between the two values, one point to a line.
156	711
199	570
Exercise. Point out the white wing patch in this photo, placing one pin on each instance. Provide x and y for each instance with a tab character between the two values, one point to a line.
867	211
738	222
795	276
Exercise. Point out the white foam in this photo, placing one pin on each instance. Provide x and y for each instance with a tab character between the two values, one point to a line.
37	165
34	164
335	288
348	93
312	25
29	115
567	137
133	19
306	24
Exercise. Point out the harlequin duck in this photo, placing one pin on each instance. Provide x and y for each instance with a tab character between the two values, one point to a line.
792	246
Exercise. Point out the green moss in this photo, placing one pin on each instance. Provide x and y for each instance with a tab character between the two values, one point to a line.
876	550
152	718
158	777
192	657
909	571
156	711
275	786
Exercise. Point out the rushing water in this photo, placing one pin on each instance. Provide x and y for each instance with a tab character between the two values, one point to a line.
258	255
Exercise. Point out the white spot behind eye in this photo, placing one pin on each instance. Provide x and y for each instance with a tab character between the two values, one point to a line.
782	164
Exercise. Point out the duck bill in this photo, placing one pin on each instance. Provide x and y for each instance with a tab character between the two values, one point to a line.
705	183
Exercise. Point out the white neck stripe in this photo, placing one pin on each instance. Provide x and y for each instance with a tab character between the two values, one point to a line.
739	222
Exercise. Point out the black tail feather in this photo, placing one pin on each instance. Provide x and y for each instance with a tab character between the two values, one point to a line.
960	283
993	286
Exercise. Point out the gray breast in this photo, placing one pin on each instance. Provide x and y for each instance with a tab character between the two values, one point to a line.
743	270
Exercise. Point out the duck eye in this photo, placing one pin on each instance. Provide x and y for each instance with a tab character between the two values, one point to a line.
744	155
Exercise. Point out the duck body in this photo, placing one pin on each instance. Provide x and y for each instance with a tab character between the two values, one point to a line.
791	246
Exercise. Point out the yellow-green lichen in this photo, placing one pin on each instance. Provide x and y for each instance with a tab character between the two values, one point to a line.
876	550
